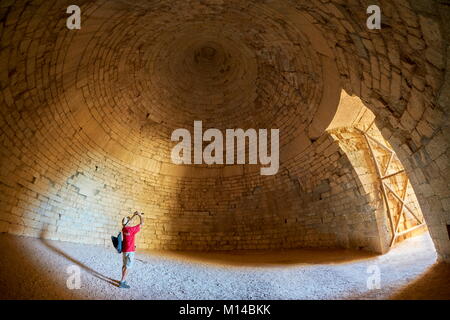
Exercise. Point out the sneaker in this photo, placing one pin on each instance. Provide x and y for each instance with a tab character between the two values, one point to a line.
124	285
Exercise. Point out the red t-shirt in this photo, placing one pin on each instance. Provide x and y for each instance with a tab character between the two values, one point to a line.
129	234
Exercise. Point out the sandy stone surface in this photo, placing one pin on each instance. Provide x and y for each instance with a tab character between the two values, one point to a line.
37	269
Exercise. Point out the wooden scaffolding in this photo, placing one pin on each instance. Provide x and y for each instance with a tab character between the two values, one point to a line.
395	211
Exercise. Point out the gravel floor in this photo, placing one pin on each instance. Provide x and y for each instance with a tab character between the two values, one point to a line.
38	269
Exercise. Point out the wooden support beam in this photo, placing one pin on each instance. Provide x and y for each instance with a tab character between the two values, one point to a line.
383	189
380	144
388	164
410	229
392	174
370	126
400	213
399	199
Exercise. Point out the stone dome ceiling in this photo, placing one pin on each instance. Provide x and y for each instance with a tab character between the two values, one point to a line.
151	68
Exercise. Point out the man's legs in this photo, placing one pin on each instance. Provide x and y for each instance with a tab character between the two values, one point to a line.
126	262
124	273
128	258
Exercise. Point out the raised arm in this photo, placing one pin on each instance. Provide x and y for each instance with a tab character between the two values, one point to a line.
141	219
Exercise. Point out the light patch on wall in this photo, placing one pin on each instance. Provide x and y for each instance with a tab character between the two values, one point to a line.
85	185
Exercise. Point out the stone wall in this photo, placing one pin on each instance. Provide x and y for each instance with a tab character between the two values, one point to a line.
326	197
86	117
401	73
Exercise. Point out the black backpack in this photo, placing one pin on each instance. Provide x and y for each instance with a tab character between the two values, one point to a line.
117	242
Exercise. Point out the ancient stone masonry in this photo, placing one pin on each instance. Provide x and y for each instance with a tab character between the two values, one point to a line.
86	118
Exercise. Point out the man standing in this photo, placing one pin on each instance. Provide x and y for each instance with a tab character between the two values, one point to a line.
128	246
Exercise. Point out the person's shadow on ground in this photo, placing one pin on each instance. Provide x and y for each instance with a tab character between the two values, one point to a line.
73	260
